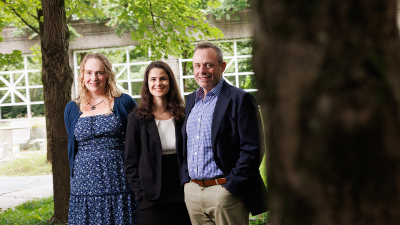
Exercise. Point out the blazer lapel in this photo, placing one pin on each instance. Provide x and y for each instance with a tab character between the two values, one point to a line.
220	109
151	128
189	105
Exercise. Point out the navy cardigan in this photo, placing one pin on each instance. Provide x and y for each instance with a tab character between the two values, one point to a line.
123	105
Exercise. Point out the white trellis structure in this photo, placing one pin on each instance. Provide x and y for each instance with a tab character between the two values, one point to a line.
16	87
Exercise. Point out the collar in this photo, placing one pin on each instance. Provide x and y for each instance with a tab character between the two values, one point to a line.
215	91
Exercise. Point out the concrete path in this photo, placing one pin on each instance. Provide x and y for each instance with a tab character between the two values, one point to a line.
16	190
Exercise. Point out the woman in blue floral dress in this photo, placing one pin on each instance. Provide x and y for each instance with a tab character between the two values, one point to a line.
96	123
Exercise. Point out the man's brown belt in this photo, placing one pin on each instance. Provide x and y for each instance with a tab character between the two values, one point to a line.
206	183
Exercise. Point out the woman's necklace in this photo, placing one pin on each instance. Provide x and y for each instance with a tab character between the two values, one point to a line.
94	106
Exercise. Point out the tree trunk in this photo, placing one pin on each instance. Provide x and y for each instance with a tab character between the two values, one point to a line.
328	79
57	80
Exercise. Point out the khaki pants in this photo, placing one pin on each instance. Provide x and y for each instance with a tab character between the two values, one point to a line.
214	205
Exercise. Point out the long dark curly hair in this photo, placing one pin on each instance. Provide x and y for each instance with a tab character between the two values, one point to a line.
175	103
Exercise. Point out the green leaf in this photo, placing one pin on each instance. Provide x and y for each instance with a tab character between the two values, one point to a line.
15	56
37	53
160	25
157	25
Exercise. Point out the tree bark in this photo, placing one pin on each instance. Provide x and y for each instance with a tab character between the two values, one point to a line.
328	79
57	80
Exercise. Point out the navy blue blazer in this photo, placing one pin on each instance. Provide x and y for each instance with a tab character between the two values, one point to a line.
122	106
235	145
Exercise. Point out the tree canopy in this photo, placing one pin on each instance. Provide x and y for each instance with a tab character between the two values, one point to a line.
173	24
224	9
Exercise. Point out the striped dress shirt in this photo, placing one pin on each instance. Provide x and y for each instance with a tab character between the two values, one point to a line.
200	157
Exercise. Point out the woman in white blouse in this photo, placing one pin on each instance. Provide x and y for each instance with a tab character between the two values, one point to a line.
153	149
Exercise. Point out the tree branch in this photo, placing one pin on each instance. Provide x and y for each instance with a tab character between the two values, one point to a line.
34	16
161	17
152	16
69	18
26	23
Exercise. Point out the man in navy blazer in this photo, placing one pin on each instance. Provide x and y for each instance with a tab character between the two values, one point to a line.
221	146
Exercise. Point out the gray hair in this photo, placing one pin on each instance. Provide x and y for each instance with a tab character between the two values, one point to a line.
206	44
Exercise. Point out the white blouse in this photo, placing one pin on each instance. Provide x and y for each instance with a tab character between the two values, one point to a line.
166	130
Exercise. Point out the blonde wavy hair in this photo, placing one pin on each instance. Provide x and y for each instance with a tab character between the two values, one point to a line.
111	85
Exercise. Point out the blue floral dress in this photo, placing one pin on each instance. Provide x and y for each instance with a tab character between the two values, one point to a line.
100	193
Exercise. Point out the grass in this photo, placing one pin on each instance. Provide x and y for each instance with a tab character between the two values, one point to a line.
29	163
40	211
261	219
37	211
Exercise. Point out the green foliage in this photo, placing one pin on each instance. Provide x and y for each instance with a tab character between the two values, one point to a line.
25	14
11	112
13	63
263	170
35	78
115	56
2	24
91	10
73	33
37	54
37	211
37	110
135	55
261	219
190	85
160	25
224	8
19	13
12	58
18	32
31	163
